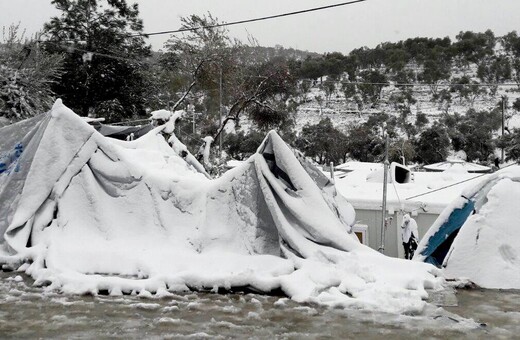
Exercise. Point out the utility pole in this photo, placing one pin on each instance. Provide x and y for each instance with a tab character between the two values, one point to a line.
383	213
191	108
504	103
220	112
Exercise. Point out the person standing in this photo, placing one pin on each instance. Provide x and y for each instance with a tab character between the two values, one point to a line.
410	236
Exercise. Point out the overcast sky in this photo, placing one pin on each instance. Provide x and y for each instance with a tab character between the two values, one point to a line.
340	29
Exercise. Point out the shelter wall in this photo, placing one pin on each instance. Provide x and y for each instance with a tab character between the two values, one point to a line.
393	246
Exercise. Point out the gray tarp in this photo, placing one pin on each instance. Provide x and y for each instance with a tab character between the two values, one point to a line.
65	162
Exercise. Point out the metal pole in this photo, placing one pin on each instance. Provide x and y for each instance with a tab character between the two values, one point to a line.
220	112
504	101
383	213
193	112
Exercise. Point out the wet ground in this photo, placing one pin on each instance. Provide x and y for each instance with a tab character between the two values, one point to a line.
34	312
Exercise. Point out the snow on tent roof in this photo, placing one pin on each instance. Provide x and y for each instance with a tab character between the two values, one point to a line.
420	192
89	213
476	237
457	165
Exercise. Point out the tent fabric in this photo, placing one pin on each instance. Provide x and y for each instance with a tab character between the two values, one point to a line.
79	163
122	132
476	236
87	213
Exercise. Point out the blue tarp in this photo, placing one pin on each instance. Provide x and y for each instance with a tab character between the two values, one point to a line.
439	243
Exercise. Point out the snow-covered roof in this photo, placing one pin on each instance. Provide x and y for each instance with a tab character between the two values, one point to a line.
458	165
363	194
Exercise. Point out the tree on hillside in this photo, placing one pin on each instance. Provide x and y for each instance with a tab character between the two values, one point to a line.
511	43
329	87
304	86
512	145
351	94
466	89
516	105
433	145
334	64
444	99
371	85
240	145
401	150
397	59
26	76
365	144
471	48
103	54
311	68
435	70
421	120
494	71
402	101
421	49
323	142
473	132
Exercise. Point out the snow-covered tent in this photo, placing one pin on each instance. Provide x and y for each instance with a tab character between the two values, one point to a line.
457	165
87	213
122	132
478	235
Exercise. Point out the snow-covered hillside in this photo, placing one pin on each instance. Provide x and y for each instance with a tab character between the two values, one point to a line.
344	112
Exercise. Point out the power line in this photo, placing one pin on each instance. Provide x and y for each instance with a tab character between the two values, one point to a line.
112	56
451	185
69	48
187	29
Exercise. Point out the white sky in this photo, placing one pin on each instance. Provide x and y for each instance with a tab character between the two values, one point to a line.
340	29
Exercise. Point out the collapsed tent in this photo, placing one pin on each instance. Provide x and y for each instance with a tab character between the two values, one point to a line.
85	213
477	236
122	132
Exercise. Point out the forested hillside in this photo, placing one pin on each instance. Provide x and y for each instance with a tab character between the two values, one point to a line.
431	95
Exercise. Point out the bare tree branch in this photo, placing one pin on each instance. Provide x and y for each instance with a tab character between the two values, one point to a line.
193	83
241	104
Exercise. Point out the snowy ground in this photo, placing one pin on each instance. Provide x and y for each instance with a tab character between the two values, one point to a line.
480	314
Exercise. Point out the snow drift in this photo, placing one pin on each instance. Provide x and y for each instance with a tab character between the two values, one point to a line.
477	236
85	213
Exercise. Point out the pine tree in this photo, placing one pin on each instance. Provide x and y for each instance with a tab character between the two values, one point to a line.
26	76
104	56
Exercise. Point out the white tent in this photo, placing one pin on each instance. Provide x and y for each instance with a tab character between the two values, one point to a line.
477	236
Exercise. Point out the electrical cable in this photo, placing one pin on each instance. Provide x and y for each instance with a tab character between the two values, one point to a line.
307	80
187	29
453	184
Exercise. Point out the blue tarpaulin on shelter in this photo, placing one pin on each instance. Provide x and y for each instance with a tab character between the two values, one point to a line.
440	242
